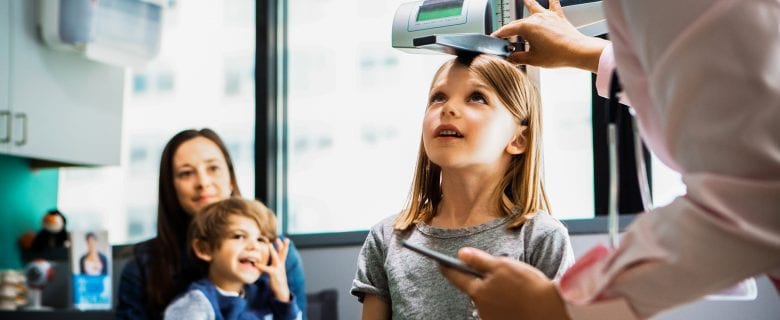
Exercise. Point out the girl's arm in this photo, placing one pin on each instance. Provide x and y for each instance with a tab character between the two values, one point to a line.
552	253
374	308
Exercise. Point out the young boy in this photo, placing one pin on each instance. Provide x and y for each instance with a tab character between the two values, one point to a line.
233	240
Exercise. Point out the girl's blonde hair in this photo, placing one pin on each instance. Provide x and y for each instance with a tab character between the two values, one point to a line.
522	184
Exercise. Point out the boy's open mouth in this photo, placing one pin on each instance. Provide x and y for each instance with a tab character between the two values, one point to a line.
248	261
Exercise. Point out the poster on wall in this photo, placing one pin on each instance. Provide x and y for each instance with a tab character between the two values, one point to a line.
90	255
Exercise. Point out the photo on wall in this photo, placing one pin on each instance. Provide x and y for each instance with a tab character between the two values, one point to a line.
91	262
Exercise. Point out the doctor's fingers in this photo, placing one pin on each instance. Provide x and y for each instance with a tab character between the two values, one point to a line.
498	268
534	6
478	259
555	6
467	283
540	30
505	282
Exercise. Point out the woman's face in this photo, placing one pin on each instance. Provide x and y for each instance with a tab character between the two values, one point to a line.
200	174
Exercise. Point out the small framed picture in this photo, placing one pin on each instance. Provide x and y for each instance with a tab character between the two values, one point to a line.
90	255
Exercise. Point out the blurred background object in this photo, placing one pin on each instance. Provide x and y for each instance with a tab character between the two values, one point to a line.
13	292
39	273
53	234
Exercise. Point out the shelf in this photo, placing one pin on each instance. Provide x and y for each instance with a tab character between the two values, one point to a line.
57	314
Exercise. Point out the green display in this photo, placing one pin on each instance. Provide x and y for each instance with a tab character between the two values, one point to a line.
439	11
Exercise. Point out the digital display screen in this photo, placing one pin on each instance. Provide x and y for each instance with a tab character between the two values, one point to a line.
437	9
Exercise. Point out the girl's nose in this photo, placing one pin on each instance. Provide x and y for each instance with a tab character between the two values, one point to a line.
450	110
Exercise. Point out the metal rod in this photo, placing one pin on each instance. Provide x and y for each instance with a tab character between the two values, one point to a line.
612	210
641	168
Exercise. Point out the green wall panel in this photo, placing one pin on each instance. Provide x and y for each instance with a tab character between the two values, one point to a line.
25	196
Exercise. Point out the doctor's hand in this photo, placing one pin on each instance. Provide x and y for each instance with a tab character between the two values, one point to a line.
553	41
510	288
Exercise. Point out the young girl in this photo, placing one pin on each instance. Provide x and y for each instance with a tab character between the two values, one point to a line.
232	239
478	183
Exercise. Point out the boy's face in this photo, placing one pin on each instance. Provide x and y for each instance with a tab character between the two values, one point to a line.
234	263
466	125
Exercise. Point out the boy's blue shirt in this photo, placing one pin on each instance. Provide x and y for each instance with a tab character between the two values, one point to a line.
258	301
131	303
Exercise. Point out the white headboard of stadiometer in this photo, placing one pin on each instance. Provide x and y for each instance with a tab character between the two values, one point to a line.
116	32
464	26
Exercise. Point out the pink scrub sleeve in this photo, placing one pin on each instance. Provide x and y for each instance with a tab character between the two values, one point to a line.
704	80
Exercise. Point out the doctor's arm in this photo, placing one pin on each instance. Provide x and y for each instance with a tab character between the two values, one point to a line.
720	126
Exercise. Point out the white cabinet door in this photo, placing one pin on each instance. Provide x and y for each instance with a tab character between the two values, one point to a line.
5	43
65	108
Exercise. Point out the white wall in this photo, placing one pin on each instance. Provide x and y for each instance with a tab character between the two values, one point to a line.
335	268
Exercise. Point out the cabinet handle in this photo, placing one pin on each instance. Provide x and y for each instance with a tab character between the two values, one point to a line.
23	141
8	121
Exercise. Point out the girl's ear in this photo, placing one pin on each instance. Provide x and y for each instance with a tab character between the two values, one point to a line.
202	250
519	142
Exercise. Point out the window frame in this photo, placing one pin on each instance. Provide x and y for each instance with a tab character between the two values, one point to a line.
271	143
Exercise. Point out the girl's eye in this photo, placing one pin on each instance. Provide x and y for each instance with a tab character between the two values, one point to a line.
437	98
214	168
478	98
239	236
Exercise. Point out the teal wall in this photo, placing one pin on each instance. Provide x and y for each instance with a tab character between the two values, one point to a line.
25	196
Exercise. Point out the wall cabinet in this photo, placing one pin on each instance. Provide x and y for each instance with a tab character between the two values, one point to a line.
56	105
5	45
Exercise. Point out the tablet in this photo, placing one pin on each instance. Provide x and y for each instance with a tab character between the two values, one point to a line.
439	257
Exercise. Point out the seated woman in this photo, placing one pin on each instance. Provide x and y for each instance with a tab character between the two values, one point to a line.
195	171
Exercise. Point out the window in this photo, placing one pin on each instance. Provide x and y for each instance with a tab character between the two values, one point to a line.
667	184
354	114
354	108
568	142
203	77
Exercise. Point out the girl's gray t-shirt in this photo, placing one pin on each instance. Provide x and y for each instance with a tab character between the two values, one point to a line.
411	283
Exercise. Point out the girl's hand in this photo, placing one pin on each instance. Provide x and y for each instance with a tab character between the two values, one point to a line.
276	271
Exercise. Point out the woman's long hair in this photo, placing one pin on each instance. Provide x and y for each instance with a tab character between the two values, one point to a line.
167	275
522	186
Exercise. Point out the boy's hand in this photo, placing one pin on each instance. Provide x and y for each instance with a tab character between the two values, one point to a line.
276	271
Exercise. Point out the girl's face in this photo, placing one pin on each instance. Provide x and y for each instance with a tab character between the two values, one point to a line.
234	263
465	124
200	174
